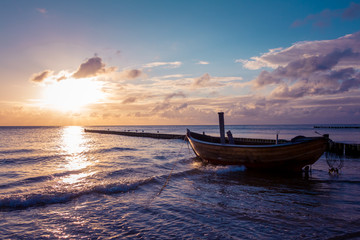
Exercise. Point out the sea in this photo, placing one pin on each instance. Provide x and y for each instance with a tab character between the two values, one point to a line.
64	183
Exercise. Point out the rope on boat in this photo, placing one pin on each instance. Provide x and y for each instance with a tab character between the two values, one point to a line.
168	177
334	157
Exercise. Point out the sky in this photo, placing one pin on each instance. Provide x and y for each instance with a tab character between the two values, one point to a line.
163	62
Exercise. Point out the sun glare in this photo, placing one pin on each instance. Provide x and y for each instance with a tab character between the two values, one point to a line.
72	94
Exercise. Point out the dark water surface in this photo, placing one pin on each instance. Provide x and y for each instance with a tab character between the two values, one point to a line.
60	182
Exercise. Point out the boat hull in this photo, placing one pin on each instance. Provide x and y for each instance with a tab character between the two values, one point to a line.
290	156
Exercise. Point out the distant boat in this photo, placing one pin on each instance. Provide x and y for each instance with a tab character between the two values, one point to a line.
291	155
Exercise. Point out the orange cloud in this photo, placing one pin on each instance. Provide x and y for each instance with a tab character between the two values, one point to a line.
131	74
129	100
40	77
91	68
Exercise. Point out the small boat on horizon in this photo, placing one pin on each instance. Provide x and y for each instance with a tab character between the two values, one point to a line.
291	155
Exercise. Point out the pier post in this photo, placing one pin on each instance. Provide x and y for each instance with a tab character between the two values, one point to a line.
222	127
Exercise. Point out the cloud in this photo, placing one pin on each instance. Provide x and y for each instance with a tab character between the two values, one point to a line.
302	50
202	81
40	77
203	63
182	106
63	77
134	73
305	67
352	12
173	95
166	104
207	81
331	83
163	64
315	75
172	76
92	67
41	10
129	100
315	81
131	74
262	61
322	19
266	78
325	17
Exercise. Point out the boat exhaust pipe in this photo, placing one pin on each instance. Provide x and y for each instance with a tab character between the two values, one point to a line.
222	127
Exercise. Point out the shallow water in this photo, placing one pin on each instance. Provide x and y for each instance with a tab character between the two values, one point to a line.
60	182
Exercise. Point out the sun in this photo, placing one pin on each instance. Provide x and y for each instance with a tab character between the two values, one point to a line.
72	94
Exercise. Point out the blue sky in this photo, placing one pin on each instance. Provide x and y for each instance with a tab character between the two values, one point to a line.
179	62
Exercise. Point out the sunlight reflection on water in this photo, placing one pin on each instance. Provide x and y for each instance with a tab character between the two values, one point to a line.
75	178
73	141
75	145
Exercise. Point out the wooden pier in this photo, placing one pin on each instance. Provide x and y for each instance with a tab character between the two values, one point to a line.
139	134
336	127
345	149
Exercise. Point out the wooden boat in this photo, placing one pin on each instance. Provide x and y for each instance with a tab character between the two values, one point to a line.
292	155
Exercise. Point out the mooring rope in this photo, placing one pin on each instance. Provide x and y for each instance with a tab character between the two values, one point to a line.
334	157
168	177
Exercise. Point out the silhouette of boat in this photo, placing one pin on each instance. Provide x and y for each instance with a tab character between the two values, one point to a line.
292	155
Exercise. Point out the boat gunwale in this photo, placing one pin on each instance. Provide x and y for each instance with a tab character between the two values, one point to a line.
228	145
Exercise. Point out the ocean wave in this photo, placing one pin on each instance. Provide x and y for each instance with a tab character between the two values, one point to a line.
179	174
27	160
218	169
229	169
221	170
114	149
122	188
25	181
38	179
160	157
16	151
337	181
123	172
18	202
64	195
